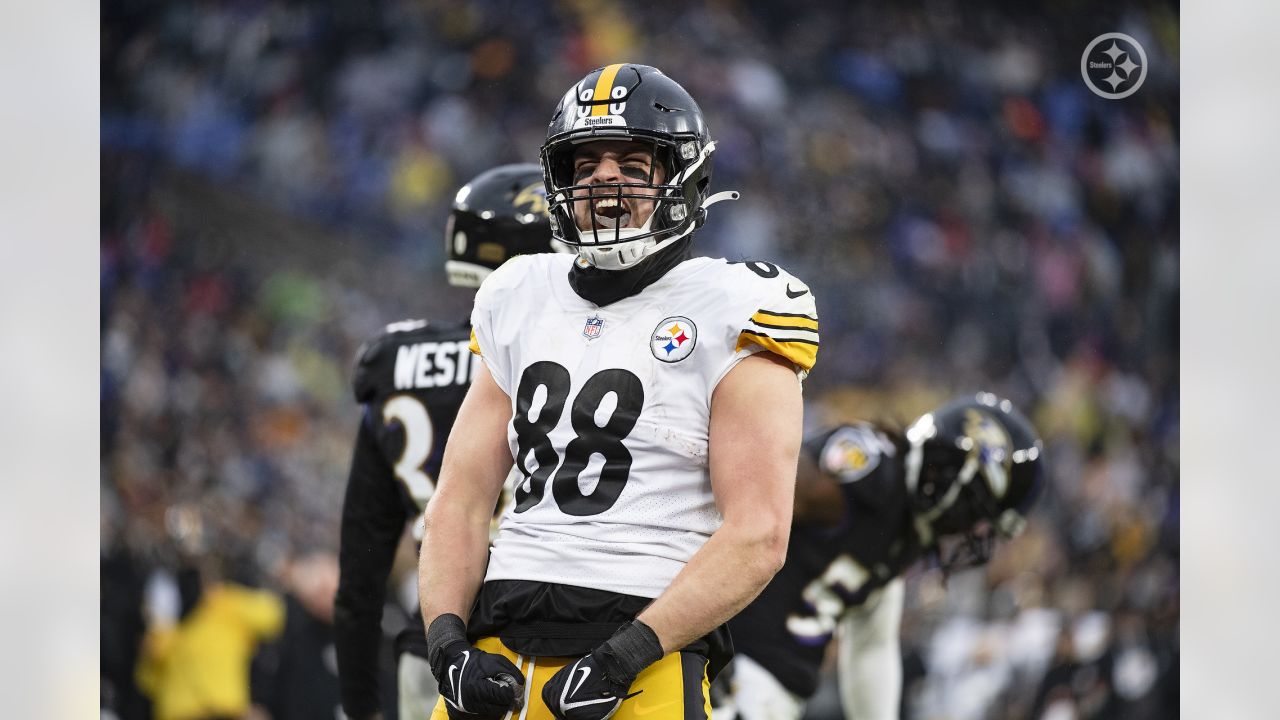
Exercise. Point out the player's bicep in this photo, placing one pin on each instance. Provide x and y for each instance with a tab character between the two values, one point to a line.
754	443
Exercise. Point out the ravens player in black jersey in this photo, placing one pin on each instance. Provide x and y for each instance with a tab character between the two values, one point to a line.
410	380
869	503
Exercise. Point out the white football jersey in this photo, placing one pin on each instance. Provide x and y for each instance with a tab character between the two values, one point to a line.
611	407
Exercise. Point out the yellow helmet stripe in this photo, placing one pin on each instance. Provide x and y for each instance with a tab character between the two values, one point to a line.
604	86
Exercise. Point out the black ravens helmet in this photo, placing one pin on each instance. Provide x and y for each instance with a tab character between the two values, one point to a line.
973	469
499	214
634	103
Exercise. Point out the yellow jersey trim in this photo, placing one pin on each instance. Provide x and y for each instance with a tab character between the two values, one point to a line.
784	321
802	352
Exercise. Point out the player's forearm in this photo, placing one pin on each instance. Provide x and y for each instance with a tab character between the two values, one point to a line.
720	579
455	546
451	566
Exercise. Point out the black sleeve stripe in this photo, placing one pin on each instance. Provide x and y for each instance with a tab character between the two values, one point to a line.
784	327
781	339
782	314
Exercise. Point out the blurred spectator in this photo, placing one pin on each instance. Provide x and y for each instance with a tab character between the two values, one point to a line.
123	580
201	638
296	676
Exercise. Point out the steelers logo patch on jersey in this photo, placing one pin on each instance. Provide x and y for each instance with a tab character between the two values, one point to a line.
673	339
851	453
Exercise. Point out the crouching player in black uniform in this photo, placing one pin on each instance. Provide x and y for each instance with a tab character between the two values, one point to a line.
869	503
411	380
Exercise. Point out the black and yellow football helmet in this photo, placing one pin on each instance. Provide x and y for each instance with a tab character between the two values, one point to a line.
973	469
637	103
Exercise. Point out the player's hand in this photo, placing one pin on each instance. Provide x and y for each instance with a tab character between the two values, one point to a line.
593	687
584	691
475	685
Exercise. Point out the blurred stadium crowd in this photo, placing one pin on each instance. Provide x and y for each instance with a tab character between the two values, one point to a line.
968	214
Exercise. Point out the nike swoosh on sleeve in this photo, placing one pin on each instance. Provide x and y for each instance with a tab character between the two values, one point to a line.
793	295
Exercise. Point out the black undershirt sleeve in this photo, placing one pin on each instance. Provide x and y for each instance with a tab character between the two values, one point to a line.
373	518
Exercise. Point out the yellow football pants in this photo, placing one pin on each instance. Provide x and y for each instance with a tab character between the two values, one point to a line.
674	688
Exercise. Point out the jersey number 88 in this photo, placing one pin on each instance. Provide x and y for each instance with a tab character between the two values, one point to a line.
533	436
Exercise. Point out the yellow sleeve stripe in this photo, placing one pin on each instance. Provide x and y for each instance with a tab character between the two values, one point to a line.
782	326
604	86
790	321
474	347
803	353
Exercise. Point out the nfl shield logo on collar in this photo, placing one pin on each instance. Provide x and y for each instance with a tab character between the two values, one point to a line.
592	329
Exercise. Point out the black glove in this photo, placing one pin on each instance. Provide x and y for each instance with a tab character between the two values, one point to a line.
474	684
594	687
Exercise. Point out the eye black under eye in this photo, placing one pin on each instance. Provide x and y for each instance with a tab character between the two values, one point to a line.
637	173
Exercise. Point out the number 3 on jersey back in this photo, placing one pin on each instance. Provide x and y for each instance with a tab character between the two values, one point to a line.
533	436
418	439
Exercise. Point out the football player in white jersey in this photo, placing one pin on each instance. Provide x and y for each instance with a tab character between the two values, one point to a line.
651	402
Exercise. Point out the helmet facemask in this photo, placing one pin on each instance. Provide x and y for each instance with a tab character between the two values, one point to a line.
674	188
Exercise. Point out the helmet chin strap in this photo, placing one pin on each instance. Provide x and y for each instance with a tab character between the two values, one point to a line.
627	253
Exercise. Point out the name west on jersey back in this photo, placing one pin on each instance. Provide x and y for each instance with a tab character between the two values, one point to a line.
434	364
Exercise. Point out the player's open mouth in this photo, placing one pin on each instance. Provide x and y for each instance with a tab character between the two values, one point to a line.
610	214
